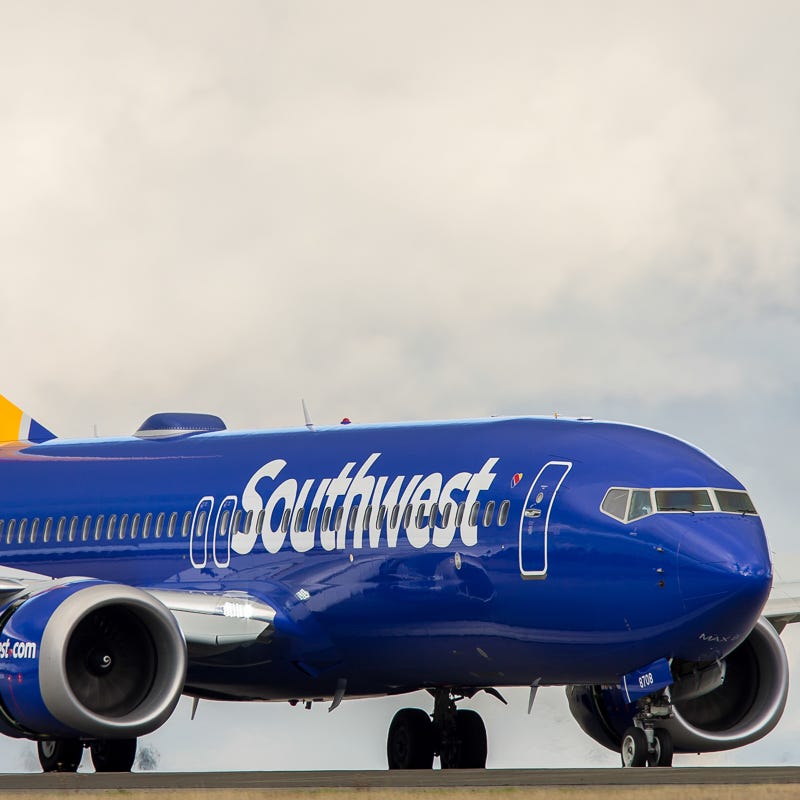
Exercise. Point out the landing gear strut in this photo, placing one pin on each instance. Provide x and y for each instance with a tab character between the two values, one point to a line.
644	744
457	736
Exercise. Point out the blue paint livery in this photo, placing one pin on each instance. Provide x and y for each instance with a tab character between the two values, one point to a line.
383	584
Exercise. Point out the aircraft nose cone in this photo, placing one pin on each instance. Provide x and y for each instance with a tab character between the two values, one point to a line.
725	574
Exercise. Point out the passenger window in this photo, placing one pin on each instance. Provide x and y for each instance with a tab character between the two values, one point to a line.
23	525
460	512
12	524
473	514
34	529
407	516
112	527
73	528
48	529
434	513
62	524
200	525
173	524
395	515
187	524
260	522
248	521
2	522
135	521
448	510
367	517
502	515
98	527
222	523
615	503
148	520
338	523
641	505
312	518
237	519
488	513
85	528
287	513
326	518
420	515
351	520
298	520
381	517
160	524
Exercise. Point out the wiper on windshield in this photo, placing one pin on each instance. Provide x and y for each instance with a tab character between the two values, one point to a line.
675	508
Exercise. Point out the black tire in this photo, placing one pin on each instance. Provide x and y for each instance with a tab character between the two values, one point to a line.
113	755
410	741
472	748
662	749
633	748
60	755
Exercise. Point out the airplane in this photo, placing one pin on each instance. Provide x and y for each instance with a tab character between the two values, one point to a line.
324	563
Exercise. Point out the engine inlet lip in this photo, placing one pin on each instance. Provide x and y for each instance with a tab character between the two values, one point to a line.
59	697
757	724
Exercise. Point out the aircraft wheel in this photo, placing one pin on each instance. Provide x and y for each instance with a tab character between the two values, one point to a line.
634	748
113	755
663	749
60	755
471	735
410	741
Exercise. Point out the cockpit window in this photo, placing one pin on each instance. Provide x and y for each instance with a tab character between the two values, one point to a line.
628	505
615	503
641	504
683	500
735	502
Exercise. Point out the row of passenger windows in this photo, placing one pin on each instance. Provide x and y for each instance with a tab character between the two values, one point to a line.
70	529
332	520
163	525
628	505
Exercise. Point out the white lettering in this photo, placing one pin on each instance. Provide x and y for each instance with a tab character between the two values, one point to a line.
407	503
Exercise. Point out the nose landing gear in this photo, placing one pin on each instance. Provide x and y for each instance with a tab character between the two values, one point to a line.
644	744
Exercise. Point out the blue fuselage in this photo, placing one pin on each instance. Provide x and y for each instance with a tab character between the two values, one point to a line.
463	554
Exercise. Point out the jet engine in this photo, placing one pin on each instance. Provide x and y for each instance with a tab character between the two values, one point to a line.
88	659
716	706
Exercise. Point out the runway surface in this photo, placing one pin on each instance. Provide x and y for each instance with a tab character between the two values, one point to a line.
404	779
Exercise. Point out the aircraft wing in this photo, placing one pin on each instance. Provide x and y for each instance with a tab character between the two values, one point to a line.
208	620
783	605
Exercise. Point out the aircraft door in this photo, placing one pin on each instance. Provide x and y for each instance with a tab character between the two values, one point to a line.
536	518
198	540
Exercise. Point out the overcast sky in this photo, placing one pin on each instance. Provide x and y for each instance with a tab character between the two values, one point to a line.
407	210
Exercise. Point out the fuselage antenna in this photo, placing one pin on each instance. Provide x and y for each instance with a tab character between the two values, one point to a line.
309	423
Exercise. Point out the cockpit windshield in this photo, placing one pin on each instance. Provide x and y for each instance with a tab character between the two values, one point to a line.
628	505
683	500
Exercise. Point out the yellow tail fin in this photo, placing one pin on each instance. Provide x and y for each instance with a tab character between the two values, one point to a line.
17	426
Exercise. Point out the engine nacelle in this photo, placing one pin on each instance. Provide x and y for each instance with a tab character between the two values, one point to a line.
89	659
738	710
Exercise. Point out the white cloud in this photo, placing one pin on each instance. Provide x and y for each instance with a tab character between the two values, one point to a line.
400	211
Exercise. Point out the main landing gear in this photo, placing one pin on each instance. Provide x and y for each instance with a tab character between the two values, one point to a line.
644	744
457	736
108	755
